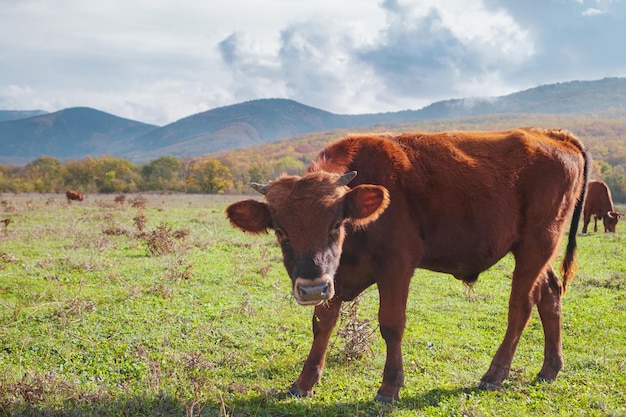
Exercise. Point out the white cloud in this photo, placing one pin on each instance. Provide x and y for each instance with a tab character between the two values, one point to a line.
591	12
162	60
439	51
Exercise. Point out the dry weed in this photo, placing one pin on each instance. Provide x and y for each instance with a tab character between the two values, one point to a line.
74	308
356	333
163	240
8	206
181	234
197	380
140	221
178	270
105	204
112	227
8	258
120	199
138	202
160	241
98	243
6	223
115	230
33	389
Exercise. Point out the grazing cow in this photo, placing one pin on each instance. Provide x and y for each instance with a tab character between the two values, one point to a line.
450	202
599	204
73	195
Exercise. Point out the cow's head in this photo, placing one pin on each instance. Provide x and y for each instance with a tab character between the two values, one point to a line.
308	215
610	220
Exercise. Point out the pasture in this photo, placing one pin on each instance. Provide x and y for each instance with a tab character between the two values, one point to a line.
153	305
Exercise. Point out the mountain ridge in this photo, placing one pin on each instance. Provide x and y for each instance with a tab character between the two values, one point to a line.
79	132
6	115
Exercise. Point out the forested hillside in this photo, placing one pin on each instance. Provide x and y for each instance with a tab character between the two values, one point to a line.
232	171
72	133
6	115
81	132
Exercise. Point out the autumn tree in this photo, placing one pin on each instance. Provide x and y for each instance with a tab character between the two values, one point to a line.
260	172
116	175
615	179
10	181
210	176
80	175
290	166
43	174
164	173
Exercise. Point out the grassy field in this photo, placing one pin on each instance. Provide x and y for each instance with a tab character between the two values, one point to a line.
155	306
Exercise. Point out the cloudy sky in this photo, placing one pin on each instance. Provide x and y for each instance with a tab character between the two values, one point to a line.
157	61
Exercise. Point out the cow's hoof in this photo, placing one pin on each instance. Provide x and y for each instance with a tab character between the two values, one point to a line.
297	392
539	379
548	374
489	386
383	399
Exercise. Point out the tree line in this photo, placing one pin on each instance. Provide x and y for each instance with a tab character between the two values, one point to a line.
209	175
107	174
232	171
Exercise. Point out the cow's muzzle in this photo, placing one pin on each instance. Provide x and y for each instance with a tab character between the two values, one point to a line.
313	291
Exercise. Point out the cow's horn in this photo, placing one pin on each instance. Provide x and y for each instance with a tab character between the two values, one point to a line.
262	188
346	178
610	214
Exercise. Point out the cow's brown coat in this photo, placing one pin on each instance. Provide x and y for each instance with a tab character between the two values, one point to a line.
451	202
599	204
73	195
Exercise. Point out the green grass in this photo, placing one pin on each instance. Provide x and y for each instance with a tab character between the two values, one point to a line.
94	323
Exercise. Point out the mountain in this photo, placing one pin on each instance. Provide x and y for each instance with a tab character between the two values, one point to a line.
267	120
80	132
71	133
603	96
237	126
6	115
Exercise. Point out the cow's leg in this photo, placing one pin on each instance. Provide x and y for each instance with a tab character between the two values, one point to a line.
586	220
529	266
392	320
324	319
548	300
595	223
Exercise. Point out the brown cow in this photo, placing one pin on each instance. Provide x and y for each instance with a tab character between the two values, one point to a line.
599	204
448	202
73	195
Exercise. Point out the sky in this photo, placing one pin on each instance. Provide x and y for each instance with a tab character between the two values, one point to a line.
157	61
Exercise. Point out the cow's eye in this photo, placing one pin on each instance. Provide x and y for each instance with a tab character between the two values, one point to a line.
281	236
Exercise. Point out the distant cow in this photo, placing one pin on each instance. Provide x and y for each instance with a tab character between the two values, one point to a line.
73	195
450	202
599	204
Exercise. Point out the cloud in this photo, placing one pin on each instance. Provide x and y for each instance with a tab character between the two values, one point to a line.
427	53
422	54
312	62
162	60
591	11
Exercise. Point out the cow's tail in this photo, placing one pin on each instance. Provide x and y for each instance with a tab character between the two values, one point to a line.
569	267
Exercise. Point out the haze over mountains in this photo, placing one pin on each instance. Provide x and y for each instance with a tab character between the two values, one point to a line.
80	132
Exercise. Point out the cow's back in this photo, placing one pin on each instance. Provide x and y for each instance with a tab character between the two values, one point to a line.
461	201
598	200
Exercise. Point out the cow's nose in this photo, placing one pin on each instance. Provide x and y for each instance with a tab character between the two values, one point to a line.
314	293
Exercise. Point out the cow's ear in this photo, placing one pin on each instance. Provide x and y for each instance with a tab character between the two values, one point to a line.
614	214
250	216
364	203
